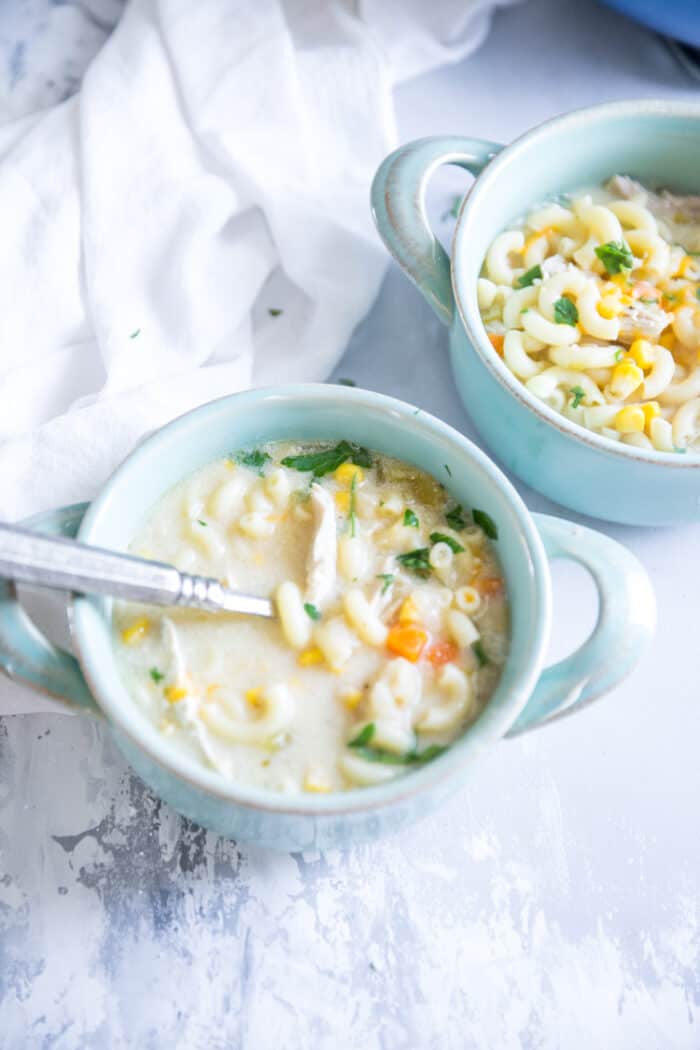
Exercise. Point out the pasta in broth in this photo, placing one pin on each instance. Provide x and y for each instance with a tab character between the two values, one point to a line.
594	305
392	625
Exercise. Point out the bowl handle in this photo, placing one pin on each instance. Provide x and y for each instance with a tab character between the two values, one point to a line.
25	654
626	622
398	207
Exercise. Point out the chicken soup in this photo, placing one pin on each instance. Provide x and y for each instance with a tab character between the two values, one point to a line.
392	618
593	301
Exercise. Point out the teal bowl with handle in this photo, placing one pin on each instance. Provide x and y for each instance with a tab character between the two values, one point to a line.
527	695
656	142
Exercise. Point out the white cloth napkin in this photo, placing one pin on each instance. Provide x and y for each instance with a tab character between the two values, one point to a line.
194	222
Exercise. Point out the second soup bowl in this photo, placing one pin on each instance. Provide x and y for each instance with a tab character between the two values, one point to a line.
657	143
527	694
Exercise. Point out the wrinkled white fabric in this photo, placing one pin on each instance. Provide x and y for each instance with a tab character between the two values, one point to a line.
195	221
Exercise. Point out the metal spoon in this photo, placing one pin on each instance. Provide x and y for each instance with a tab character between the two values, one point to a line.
28	557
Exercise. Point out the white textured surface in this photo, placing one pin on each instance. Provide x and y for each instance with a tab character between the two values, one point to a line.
553	903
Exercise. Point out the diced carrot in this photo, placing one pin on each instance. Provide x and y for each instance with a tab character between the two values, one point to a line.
407	640
496	340
488	585
645	290
442	653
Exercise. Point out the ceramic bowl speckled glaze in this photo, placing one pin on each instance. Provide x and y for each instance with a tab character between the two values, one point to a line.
527	694
653	141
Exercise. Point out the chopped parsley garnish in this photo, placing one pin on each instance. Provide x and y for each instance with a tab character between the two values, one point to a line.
136	332
671	297
478	650
388	578
529	277
346	382
312	611
408	758
577	396
649	300
449	472
417	561
328	460
440	537
565	311
615	256
255	459
697	292
409	518
364	736
203	523
353	512
274	311
619	354
484	521
455	518
156	675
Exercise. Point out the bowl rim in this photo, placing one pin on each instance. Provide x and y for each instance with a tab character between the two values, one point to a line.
468	213
493	722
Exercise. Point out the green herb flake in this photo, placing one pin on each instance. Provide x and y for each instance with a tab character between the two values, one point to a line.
311	611
455	518
649	300
204	524
418	561
449	472
440	537
156	675
485	522
619	354
615	256
136	332
679	450
346	382
670	297
275	311
328	460
565	311
577	395
388	578
410	519
364	736
353	511
478	650
255	459
408	758
529	277
697	292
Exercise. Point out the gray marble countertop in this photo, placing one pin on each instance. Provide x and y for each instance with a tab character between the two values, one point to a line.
552	903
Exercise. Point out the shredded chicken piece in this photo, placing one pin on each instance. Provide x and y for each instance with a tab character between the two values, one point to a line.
626	187
642	320
172	643
665	205
323	554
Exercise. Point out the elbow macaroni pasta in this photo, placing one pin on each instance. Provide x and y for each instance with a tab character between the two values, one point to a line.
596	303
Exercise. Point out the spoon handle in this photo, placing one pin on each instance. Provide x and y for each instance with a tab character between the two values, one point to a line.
27	557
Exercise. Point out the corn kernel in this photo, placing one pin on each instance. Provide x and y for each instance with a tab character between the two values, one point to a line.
610	306
626	378
630	420
316	783
642	351
667	340
408	613
310	657
346	472
230	465
136	631
254	697
342	501
686	263
173	693
651	411
351	699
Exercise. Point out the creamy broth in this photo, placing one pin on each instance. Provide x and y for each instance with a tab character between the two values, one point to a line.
593	301
392	626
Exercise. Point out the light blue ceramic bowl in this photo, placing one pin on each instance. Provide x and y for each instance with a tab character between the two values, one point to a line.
658	141
526	695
